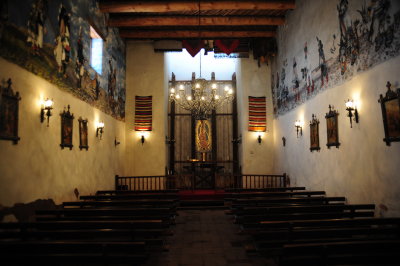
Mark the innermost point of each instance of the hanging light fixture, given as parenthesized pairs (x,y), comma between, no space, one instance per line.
(205,96)
(201,96)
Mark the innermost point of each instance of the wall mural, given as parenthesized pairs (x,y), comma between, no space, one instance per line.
(364,37)
(52,40)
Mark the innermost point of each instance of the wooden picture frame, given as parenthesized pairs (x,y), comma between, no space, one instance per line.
(9,109)
(390,105)
(67,120)
(314,134)
(332,128)
(83,134)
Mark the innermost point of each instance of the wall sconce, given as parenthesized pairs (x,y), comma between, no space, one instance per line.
(299,127)
(116,142)
(350,107)
(143,135)
(259,139)
(46,110)
(100,129)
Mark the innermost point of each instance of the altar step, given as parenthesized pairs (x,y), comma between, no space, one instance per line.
(201,204)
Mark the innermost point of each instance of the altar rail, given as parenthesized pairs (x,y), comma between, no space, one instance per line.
(225,181)
(140,183)
(248,181)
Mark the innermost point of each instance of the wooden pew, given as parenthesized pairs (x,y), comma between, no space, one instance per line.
(143,203)
(72,253)
(138,192)
(276,194)
(371,252)
(322,223)
(275,239)
(252,218)
(94,224)
(135,196)
(269,189)
(78,214)
(286,200)
(150,232)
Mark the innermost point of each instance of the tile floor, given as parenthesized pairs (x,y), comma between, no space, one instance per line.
(206,237)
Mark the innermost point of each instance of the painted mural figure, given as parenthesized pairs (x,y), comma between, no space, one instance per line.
(322,62)
(380,23)
(112,80)
(80,60)
(96,86)
(284,91)
(36,29)
(296,81)
(349,46)
(62,49)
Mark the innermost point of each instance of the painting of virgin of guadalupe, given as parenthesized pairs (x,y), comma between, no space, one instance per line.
(203,136)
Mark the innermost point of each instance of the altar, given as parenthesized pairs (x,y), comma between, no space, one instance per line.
(202,174)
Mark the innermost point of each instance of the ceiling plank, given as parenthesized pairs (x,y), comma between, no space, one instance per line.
(185,6)
(155,21)
(186,34)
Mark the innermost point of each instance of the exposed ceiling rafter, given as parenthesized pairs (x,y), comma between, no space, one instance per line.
(173,21)
(190,34)
(185,6)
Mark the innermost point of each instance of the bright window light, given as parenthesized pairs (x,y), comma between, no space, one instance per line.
(96,51)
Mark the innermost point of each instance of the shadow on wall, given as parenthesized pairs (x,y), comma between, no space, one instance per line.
(25,212)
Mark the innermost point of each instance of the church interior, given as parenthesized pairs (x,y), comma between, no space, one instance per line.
(172,132)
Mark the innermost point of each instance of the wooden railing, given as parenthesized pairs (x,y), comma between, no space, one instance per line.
(140,183)
(224,181)
(247,181)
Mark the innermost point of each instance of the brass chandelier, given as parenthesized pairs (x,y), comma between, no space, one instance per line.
(201,97)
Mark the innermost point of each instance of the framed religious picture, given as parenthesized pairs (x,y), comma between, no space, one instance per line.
(314,134)
(203,137)
(66,129)
(83,134)
(390,105)
(332,128)
(9,109)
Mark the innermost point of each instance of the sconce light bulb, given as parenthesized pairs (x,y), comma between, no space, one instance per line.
(202,98)
(197,85)
(172,90)
(349,104)
(177,97)
(226,88)
(216,97)
(230,91)
(214,86)
(181,87)
(48,103)
(189,98)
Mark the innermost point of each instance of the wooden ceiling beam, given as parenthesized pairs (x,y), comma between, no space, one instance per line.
(155,21)
(188,34)
(185,6)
